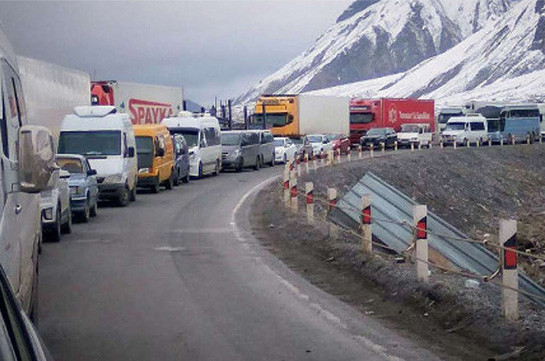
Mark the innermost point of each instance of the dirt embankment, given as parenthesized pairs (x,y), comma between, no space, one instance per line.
(472,189)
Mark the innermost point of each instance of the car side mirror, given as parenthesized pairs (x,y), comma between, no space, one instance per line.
(160,152)
(130,152)
(325,141)
(36,158)
(64,174)
(91,172)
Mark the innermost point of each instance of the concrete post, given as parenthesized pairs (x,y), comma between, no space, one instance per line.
(412,147)
(454,144)
(478,143)
(293,192)
(309,193)
(468,143)
(508,265)
(286,185)
(420,221)
(513,140)
(501,140)
(528,139)
(366,220)
(383,148)
(441,145)
(371,150)
(349,155)
(430,145)
(419,146)
(332,198)
(360,151)
(489,142)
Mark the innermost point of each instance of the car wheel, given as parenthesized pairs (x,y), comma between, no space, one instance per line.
(156,188)
(257,163)
(186,178)
(93,211)
(216,169)
(200,174)
(240,165)
(55,234)
(169,184)
(86,212)
(273,163)
(285,158)
(66,228)
(124,198)
(35,299)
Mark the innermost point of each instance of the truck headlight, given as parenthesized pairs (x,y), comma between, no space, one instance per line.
(114,179)
(143,170)
(47,214)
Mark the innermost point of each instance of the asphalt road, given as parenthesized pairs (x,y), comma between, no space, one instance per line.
(178,276)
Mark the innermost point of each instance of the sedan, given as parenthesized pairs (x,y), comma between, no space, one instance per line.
(339,142)
(284,149)
(377,136)
(55,206)
(83,185)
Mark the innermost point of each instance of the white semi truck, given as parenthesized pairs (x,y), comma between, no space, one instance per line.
(145,104)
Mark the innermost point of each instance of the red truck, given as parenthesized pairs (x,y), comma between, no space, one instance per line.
(366,114)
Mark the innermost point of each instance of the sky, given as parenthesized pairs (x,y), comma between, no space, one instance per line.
(209,48)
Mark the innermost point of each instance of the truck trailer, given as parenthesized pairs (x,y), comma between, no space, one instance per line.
(52,91)
(366,114)
(145,104)
(298,115)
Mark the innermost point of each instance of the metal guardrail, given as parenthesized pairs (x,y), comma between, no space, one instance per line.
(392,207)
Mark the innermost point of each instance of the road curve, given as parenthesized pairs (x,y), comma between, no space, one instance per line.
(178,276)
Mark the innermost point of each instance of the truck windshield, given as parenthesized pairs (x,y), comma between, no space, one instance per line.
(71,165)
(275,120)
(230,139)
(455,126)
(103,142)
(361,118)
(144,145)
(410,128)
(191,135)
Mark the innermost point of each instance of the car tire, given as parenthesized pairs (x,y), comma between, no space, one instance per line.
(177,178)
(66,227)
(273,163)
(200,174)
(55,233)
(156,188)
(217,169)
(257,163)
(285,158)
(186,178)
(93,211)
(169,183)
(124,198)
(132,193)
(84,216)
(34,309)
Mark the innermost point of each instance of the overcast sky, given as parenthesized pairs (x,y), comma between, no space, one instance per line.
(210,48)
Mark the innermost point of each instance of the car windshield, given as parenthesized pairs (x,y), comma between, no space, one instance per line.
(377,131)
(191,135)
(314,139)
(279,142)
(332,137)
(144,145)
(455,126)
(104,142)
(71,165)
(410,128)
(230,138)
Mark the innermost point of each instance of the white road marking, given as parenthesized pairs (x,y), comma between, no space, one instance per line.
(95,240)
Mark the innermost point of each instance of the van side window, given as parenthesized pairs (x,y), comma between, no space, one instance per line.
(212,136)
(477,126)
(125,145)
(254,138)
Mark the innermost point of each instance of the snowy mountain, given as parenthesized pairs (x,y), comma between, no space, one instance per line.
(503,62)
(374,39)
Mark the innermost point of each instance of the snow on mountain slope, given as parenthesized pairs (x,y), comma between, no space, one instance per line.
(385,38)
(503,61)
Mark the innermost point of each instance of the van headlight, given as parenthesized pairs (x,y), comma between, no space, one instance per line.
(143,170)
(114,179)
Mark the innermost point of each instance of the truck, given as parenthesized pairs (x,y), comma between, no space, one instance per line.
(297,115)
(366,114)
(145,103)
(52,91)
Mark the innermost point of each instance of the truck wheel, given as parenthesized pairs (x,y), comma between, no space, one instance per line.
(169,184)
(124,198)
(66,228)
(93,210)
(84,217)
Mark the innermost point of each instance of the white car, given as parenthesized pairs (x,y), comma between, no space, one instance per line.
(284,149)
(466,130)
(319,143)
(55,207)
(417,134)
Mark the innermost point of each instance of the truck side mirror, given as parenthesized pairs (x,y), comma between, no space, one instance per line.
(130,152)
(160,152)
(91,172)
(36,158)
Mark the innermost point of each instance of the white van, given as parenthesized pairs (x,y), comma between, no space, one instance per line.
(203,136)
(467,129)
(106,138)
(417,134)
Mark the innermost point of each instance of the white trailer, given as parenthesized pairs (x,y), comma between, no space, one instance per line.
(145,104)
(319,114)
(52,91)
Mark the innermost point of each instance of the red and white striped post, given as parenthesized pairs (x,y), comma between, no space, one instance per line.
(360,151)
(332,198)
(286,184)
(298,166)
(309,197)
(306,163)
(513,140)
(315,162)
(338,155)
(395,146)
(383,148)
(508,261)
(293,192)
(366,231)
(420,219)
(371,150)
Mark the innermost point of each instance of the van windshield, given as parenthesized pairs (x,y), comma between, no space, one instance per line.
(103,142)
(410,128)
(230,139)
(455,126)
(191,135)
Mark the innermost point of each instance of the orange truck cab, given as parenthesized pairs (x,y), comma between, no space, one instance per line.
(155,152)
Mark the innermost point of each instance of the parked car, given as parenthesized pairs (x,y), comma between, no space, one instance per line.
(467,129)
(377,136)
(202,135)
(83,185)
(284,149)
(106,138)
(155,154)
(316,145)
(55,207)
(339,142)
(19,339)
(181,156)
(240,149)
(267,151)
(417,134)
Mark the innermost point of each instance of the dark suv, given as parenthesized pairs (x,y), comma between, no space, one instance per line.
(240,149)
